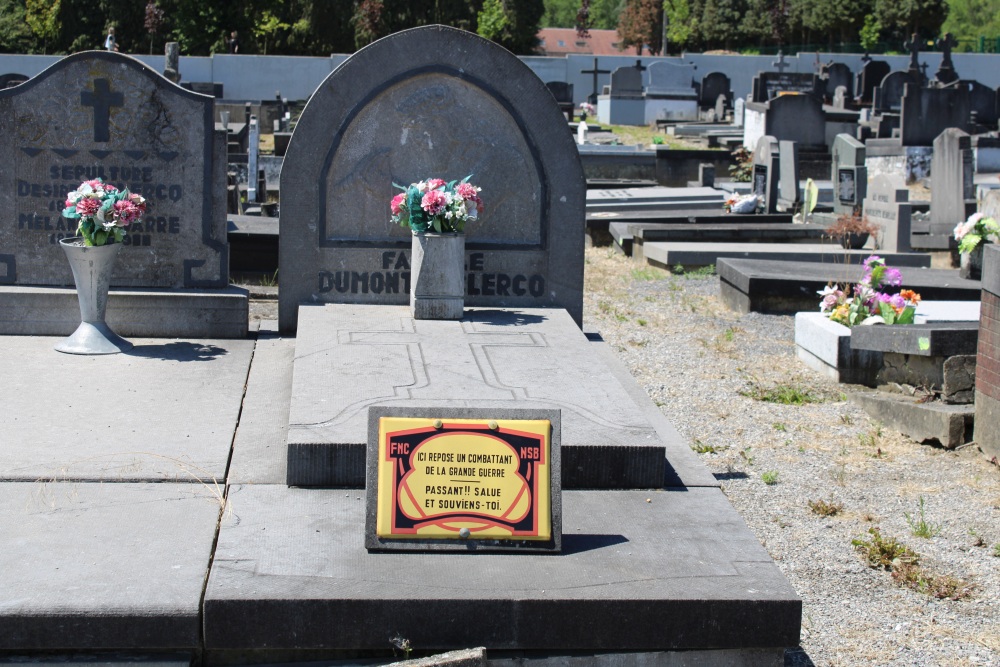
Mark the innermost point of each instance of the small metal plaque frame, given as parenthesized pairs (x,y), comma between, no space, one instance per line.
(463,479)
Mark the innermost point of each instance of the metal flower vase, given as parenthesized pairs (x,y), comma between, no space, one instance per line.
(971,265)
(437,276)
(91,267)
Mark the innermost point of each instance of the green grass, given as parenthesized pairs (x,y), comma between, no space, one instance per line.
(703,448)
(778,426)
(700,273)
(770,477)
(940,586)
(920,527)
(783,393)
(647,273)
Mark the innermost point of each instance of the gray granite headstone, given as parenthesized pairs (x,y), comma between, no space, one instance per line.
(839,97)
(738,109)
(927,112)
(983,103)
(848,174)
(103,114)
(885,206)
(798,118)
(789,195)
(771,85)
(889,94)
(766,165)
(870,78)
(953,195)
(838,74)
(626,82)
(431,102)
(714,84)
(667,79)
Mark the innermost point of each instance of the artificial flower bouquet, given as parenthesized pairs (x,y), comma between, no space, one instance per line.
(103,210)
(975,231)
(587,109)
(737,203)
(865,303)
(435,206)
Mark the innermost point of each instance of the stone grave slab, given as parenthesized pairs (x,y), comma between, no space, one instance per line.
(83,118)
(657,198)
(932,312)
(825,347)
(104,566)
(431,101)
(260,448)
(348,358)
(677,570)
(771,85)
(752,285)
(948,425)
(694,254)
(170,411)
(927,112)
(870,78)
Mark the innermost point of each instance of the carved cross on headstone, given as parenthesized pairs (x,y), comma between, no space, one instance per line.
(593,96)
(913,46)
(780,63)
(102,99)
(639,66)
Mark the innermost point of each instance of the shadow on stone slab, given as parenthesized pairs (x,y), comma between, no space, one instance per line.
(179,351)
(797,657)
(505,317)
(576,543)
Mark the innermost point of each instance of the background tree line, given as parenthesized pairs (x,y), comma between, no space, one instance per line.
(322,27)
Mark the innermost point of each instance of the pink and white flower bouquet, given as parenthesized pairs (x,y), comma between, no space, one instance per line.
(103,210)
(975,231)
(866,302)
(432,205)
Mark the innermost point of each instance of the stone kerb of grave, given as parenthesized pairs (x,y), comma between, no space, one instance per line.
(98,114)
(431,102)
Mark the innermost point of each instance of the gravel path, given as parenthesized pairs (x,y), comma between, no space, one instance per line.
(702,364)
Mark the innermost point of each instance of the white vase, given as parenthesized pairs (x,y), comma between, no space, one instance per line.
(437,276)
(92,267)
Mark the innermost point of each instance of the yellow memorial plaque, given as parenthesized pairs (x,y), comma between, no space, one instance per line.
(470,479)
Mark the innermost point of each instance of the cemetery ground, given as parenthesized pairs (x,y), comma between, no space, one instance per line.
(809,472)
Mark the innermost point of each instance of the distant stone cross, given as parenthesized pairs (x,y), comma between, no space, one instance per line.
(102,99)
(946,45)
(913,46)
(780,63)
(595,72)
(639,66)
(866,58)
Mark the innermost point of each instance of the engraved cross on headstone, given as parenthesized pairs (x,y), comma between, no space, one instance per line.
(102,99)
(780,63)
(593,96)
(913,46)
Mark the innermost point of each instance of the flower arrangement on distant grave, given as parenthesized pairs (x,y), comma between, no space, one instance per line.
(737,203)
(432,205)
(867,302)
(742,171)
(586,110)
(104,212)
(851,226)
(976,231)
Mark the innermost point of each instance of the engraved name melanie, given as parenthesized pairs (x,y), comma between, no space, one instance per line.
(66,178)
(394,278)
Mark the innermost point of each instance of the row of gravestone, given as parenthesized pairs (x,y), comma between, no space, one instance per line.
(413,112)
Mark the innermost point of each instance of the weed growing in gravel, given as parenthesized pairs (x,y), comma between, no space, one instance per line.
(778,426)
(920,527)
(884,552)
(996,550)
(940,586)
(847,419)
(873,438)
(641,322)
(839,475)
(647,273)
(694,274)
(703,448)
(977,539)
(770,477)
(745,454)
(825,508)
(783,393)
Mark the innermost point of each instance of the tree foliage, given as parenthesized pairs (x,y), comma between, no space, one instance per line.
(641,25)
